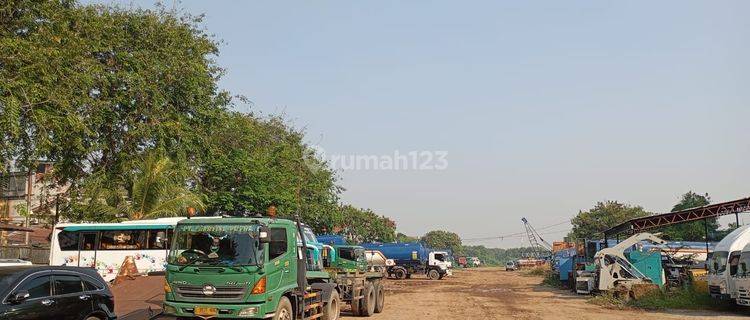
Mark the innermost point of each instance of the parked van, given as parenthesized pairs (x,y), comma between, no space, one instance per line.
(723,263)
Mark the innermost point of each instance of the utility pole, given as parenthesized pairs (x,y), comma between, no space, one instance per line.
(29,190)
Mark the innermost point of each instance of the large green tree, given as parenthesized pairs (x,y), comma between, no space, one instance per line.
(691,231)
(99,89)
(93,87)
(364,225)
(440,239)
(251,163)
(591,224)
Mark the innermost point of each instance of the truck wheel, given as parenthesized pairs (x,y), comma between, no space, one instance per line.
(400,274)
(368,303)
(284,310)
(433,275)
(332,309)
(379,297)
(356,303)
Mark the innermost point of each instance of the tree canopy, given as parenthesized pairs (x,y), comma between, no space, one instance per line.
(691,231)
(440,239)
(126,104)
(591,224)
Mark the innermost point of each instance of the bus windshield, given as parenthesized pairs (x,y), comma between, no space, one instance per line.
(215,245)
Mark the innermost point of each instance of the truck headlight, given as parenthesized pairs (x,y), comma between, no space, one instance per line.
(248,312)
(170,309)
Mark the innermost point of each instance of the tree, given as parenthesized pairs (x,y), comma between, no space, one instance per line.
(400,237)
(363,225)
(154,189)
(251,163)
(691,231)
(440,239)
(94,87)
(592,223)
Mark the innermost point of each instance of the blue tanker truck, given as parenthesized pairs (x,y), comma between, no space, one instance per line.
(413,258)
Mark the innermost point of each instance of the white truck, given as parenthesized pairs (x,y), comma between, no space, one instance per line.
(724,262)
(742,278)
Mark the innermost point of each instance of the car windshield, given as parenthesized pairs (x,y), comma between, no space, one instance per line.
(718,262)
(215,245)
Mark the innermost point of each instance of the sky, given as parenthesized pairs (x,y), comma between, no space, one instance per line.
(542,108)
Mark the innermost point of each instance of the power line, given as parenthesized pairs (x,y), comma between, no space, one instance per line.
(517,234)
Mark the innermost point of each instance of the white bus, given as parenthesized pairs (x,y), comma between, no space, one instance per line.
(105,246)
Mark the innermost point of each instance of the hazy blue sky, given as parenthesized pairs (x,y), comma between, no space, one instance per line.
(544,107)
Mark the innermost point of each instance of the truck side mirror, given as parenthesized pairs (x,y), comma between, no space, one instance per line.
(20,296)
(264,235)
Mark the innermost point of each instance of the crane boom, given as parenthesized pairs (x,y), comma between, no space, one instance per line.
(539,246)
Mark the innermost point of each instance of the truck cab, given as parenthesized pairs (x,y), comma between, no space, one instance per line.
(742,278)
(723,263)
(441,260)
(240,268)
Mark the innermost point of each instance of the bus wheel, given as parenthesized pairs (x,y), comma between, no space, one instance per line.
(379,297)
(332,309)
(433,275)
(368,303)
(284,310)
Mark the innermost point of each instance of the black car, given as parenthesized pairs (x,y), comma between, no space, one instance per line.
(54,293)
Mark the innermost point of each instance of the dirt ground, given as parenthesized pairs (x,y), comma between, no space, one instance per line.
(486,293)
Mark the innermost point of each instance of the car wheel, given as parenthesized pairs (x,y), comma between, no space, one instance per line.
(332,309)
(284,310)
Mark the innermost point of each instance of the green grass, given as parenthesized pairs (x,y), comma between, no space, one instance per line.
(552,280)
(538,271)
(684,299)
(688,298)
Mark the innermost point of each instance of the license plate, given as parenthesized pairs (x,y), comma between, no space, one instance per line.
(206,311)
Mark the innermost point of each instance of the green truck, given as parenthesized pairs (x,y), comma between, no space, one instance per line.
(256,268)
(359,282)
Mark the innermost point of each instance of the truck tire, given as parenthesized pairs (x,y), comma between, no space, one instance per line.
(367,305)
(284,310)
(400,274)
(433,274)
(332,309)
(379,297)
(356,303)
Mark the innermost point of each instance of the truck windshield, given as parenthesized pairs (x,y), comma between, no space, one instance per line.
(718,262)
(744,266)
(309,235)
(215,245)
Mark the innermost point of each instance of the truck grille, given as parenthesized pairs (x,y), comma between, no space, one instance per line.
(714,289)
(188,291)
(743,293)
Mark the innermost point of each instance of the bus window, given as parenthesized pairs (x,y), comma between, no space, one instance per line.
(88,241)
(122,240)
(157,239)
(68,240)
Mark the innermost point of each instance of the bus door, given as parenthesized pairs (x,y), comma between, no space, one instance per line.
(89,241)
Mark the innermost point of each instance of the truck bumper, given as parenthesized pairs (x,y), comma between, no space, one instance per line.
(449,273)
(225,311)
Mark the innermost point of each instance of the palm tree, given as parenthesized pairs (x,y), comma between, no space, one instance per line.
(153,189)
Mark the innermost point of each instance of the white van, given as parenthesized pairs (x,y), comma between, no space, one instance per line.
(724,263)
(742,278)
